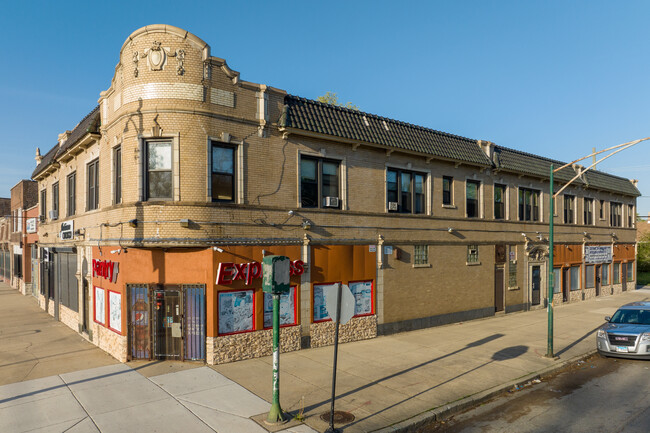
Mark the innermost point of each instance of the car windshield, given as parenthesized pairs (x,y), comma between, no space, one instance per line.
(633,317)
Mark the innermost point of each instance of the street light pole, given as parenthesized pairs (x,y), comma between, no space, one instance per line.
(551,274)
(614,150)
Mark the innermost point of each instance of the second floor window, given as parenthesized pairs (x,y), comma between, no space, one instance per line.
(499,202)
(630,215)
(92,174)
(615,211)
(117,175)
(472,190)
(588,211)
(601,210)
(44,203)
(569,209)
(55,200)
(319,183)
(447,190)
(404,191)
(72,193)
(223,173)
(528,205)
(159,169)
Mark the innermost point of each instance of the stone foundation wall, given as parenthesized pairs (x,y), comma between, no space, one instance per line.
(359,328)
(111,342)
(589,293)
(236,347)
(575,296)
(617,288)
(69,317)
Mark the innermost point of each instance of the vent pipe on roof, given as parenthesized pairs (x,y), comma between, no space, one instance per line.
(635,182)
(487,147)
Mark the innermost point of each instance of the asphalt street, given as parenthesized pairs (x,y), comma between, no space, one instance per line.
(595,395)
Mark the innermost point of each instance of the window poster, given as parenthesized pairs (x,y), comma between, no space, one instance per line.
(115,311)
(235,311)
(287,308)
(100,305)
(362,291)
(320,311)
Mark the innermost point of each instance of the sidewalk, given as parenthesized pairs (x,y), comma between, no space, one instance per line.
(404,378)
(388,383)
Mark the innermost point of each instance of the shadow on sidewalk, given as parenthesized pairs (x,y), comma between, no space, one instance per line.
(502,355)
(415,367)
(560,352)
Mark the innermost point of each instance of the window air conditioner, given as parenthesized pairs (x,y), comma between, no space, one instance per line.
(331,202)
(392,205)
(53,214)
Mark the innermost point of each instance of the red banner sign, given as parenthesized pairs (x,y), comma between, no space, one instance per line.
(106,269)
(229,272)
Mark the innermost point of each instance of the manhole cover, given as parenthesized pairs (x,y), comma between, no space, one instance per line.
(340,417)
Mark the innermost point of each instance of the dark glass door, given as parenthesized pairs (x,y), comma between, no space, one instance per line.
(168,324)
(498,289)
(535,285)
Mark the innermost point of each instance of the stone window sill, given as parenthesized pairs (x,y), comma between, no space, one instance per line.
(422,265)
(473,263)
(449,206)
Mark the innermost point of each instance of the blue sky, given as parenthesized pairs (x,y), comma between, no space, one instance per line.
(554,78)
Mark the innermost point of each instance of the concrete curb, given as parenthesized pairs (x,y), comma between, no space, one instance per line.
(452,408)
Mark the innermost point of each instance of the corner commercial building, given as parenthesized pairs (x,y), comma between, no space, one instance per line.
(158,207)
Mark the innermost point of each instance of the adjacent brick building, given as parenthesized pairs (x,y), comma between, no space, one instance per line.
(23,196)
(158,207)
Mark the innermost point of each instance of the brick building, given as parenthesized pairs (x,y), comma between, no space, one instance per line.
(159,205)
(24,195)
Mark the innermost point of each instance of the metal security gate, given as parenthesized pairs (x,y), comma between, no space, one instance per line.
(194,322)
(140,323)
(167,322)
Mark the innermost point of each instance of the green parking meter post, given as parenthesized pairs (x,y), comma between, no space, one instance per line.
(275,280)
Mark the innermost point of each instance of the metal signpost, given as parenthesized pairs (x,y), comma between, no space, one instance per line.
(276,279)
(339,300)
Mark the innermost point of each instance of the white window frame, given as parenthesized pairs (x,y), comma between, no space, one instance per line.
(413,170)
(481,201)
(142,163)
(343,173)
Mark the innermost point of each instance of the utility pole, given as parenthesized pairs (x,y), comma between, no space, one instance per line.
(552,196)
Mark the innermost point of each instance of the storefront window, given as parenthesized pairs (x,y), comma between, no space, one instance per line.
(287,308)
(617,273)
(630,271)
(557,272)
(575,278)
(362,291)
(236,308)
(320,311)
(589,276)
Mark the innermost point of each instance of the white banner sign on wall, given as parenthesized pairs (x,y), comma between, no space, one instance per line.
(598,254)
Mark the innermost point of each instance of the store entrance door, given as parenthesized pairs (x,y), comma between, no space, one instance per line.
(168,324)
(499,285)
(624,276)
(598,274)
(565,284)
(535,284)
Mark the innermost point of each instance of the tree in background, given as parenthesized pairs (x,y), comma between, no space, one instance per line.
(643,254)
(333,99)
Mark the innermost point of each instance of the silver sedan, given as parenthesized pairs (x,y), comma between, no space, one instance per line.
(627,333)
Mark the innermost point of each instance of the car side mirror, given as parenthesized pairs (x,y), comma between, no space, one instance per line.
(607,318)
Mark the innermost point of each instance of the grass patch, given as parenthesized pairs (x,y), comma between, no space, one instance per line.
(643,278)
